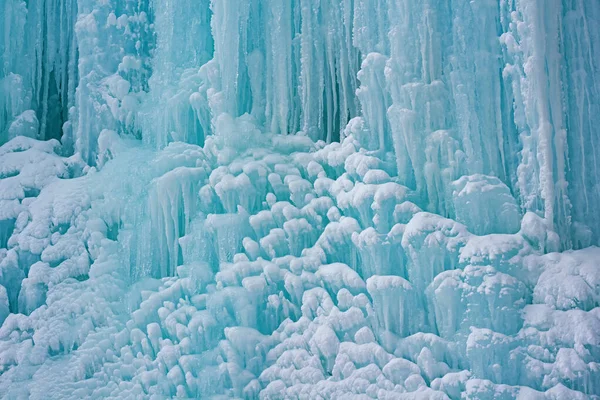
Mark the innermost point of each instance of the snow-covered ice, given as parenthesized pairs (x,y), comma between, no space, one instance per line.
(311,199)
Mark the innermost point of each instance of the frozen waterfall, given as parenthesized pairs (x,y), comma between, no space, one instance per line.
(273,199)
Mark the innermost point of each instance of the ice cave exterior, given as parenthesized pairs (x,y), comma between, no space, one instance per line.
(300,199)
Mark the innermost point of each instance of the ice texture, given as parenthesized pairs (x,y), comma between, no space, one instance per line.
(266,199)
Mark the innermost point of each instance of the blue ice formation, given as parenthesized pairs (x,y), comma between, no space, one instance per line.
(312,199)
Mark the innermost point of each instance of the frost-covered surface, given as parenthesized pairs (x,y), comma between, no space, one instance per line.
(285,271)
(199,231)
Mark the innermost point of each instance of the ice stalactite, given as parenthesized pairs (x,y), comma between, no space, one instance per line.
(38,71)
(449,89)
(299,199)
(291,66)
(581,41)
(114,41)
(500,99)
(185,44)
(329,67)
(452,88)
(71,69)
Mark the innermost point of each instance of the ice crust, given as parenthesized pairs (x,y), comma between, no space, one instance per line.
(267,199)
(185,277)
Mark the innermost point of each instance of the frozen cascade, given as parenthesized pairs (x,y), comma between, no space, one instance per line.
(39,67)
(300,199)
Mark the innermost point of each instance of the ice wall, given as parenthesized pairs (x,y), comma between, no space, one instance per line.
(303,198)
(451,88)
(448,88)
(275,267)
(185,44)
(71,69)
(38,71)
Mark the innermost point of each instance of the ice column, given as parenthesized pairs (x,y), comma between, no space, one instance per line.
(114,43)
(38,60)
(174,110)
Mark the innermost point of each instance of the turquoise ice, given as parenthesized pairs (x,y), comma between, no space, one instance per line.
(300,199)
